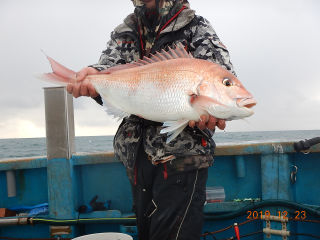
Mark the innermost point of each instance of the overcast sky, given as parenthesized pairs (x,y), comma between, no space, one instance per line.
(274,46)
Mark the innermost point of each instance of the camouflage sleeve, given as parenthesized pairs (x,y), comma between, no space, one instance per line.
(206,45)
(110,57)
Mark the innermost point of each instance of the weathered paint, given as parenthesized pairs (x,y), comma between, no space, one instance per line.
(67,184)
(275,178)
(23,163)
(244,148)
(241,166)
(224,207)
(61,189)
(94,158)
(258,147)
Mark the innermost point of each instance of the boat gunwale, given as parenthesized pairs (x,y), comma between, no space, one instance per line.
(222,149)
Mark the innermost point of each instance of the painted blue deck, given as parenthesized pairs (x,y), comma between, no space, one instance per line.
(245,170)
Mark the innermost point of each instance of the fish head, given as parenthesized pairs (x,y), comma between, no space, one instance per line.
(225,88)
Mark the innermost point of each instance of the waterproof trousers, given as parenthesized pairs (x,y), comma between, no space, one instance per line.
(168,208)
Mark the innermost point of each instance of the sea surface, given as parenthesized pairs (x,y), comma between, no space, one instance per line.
(30,147)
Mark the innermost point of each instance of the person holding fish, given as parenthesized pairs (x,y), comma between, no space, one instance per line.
(168,173)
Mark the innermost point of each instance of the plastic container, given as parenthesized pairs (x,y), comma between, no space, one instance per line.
(105,236)
(215,194)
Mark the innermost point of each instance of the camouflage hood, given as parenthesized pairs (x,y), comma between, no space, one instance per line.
(165,10)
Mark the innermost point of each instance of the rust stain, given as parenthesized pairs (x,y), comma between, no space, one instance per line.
(22,221)
(246,148)
(94,158)
(11,160)
(60,230)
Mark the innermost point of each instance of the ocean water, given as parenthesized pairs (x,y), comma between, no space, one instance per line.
(30,147)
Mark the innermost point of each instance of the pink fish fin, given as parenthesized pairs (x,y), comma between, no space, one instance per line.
(155,58)
(142,61)
(173,128)
(149,60)
(159,55)
(138,64)
(166,55)
(118,68)
(208,104)
(60,75)
(217,110)
(173,53)
(182,53)
(178,52)
(245,120)
(52,78)
(112,110)
(60,70)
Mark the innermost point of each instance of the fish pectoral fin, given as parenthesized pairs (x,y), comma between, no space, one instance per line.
(243,120)
(173,128)
(112,110)
(208,104)
(218,108)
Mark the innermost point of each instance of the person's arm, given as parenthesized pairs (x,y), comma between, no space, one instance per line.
(206,45)
(109,58)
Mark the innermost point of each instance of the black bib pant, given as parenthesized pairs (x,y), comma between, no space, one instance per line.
(168,208)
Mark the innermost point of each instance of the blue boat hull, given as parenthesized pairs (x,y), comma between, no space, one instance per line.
(245,170)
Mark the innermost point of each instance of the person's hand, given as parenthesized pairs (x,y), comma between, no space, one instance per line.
(211,124)
(83,88)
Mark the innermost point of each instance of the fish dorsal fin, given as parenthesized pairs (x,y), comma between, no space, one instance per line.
(116,68)
(178,52)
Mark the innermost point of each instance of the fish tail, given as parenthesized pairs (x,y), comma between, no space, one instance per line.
(60,75)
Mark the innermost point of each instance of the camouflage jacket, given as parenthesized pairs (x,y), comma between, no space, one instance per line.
(188,151)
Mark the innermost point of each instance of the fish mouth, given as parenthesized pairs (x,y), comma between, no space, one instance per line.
(246,103)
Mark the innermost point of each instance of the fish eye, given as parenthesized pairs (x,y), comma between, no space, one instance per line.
(227,82)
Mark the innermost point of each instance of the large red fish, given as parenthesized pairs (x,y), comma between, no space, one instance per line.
(170,87)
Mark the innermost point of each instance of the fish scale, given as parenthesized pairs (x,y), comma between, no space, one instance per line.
(173,91)
(143,98)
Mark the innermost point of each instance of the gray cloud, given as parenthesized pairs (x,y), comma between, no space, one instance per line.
(273,46)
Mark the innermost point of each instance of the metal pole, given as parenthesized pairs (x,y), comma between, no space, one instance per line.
(60,134)
(13,221)
(11,183)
